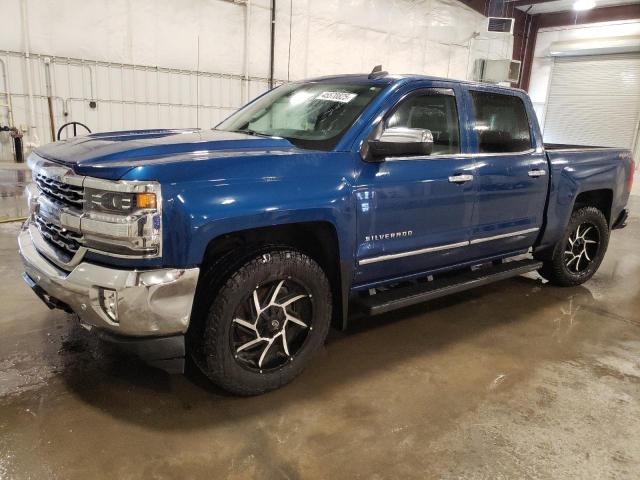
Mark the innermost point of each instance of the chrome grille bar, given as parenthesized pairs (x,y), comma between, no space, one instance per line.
(57,212)
(70,195)
(69,242)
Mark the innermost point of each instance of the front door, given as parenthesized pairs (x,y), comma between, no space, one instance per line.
(415,212)
(512,174)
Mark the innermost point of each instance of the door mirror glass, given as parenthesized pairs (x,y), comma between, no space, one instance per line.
(401,141)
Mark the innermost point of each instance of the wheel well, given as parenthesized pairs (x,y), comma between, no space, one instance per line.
(600,199)
(319,240)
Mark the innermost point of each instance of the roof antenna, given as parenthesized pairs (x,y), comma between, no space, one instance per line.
(377,72)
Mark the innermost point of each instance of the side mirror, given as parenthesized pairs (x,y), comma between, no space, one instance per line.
(401,141)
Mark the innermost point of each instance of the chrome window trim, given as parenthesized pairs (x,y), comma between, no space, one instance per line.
(503,154)
(460,155)
(409,253)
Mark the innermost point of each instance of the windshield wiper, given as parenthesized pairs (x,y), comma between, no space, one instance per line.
(248,131)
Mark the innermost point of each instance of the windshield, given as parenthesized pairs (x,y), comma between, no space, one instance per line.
(309,115)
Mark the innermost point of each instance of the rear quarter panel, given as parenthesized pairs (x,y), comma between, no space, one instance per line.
(575,171)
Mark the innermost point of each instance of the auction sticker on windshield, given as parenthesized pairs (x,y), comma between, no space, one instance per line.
(342,97)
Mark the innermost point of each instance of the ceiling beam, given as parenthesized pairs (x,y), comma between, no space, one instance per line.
(479,6)
(604,14)
(526,3)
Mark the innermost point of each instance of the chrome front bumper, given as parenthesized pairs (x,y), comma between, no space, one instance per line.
(149,303)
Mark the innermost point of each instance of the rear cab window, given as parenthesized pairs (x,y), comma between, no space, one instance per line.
(501,123)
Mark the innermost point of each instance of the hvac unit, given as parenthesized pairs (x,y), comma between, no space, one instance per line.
(500,25)
(497,71)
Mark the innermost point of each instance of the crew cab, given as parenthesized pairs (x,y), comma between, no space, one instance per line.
(240,245)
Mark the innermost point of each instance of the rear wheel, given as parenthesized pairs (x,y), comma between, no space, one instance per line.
(266,322)
(579,253)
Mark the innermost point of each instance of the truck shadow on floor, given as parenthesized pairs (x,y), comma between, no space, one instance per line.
(518,317)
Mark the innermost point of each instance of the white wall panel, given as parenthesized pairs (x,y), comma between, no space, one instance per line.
(405,36)
(123,41)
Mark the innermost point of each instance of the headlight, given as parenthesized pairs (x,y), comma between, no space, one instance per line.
(122,218)
(122,203)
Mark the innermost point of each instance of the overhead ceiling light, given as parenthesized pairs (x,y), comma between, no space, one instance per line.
(584,5)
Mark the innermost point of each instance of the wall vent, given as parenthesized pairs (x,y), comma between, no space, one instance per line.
(500,25)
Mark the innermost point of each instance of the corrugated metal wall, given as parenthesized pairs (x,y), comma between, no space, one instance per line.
(126,96)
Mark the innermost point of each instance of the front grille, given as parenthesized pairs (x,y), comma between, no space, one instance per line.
(70,195)
(60,238)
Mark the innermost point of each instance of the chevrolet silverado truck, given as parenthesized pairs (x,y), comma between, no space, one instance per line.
(238,247)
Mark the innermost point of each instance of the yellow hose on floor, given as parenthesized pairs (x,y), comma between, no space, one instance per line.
(9,220)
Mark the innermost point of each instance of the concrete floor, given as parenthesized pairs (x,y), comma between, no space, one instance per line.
(13,201)
(514,380)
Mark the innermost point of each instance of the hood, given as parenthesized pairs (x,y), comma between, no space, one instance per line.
(114,153)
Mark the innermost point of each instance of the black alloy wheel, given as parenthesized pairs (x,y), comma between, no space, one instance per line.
(264,317)
(271,325)
(582,247)
(580,251)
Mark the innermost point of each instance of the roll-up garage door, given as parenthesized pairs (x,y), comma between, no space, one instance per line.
(594,100)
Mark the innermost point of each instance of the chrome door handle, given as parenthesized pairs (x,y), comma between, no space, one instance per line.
(537,173)
(460,178)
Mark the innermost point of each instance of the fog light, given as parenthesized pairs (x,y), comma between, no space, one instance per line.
(109,303)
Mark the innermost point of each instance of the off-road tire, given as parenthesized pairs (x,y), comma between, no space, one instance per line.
(556,270)
(219,362)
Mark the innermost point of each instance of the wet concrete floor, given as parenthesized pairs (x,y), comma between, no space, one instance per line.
(14,177)
(513,380)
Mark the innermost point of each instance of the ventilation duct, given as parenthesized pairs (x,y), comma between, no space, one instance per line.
(500,25)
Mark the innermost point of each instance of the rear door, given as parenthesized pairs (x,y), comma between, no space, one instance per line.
(415,212)
(511,172)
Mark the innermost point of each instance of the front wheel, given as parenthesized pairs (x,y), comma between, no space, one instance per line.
(266,322)
(579,253)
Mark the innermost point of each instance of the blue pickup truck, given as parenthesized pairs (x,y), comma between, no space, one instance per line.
(239,246)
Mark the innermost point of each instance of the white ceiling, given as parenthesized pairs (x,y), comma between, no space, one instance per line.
(565,5)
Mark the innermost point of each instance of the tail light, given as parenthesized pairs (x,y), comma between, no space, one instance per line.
(632,172)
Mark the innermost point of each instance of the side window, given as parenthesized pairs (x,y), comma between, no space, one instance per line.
(434,110)
(502,125)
